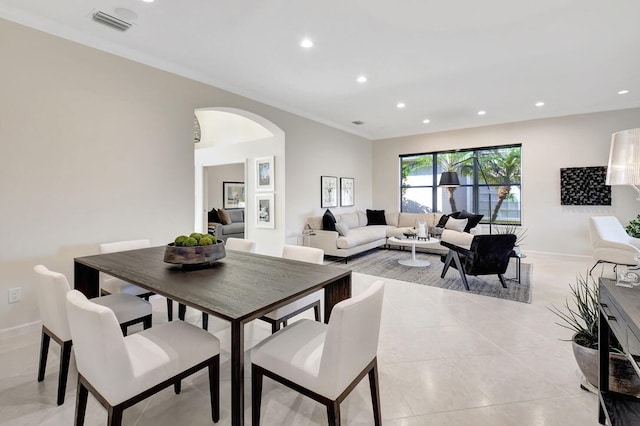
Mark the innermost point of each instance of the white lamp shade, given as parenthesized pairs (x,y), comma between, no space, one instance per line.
(624,158)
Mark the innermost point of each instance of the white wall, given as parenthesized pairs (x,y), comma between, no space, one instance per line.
(99,148)
(547,146)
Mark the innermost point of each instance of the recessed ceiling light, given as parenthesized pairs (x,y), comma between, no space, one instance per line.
(401,105)
(623,92)
(482,112)
(148,1)
(361,79)
(426,121)
(306,43)
(539,104)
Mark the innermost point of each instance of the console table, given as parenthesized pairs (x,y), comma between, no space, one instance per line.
(619,313)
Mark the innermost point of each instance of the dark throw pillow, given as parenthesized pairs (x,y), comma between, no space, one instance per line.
(376,217)
(213,216)
(328,221)
(472,219)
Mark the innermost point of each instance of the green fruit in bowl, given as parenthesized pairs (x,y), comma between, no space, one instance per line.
(190,242)
(206,241)
(179,241)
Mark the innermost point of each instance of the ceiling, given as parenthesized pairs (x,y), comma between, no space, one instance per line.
(446,60)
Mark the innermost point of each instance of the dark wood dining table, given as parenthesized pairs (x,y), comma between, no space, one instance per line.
(238,288)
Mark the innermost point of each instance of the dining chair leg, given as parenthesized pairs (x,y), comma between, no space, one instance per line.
(65,359)
(44,352)
(177,387)
(124,329)
(275,326)
(375,394)
(205,321)
(214,388)
(81,403)
(182,311)
(146,322)
(256,394)
(169,309)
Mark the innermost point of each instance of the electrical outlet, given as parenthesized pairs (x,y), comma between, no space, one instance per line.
(15,294)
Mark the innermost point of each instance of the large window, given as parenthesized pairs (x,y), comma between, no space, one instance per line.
(489,183)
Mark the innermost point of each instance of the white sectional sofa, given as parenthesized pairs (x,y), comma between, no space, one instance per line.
(361,237)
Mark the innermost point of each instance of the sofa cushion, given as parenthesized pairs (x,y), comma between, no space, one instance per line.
(362,235)
(350,219)
(342,228)
(315,222)
(410,219)
(362,218)
(328,221)
(236,215)
(391,218)
(233,228)
(213,216)
(473,219)
(375,217)
(224,217)
(456,224)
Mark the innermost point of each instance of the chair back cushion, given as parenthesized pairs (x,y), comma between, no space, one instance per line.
(99,346)
(352,338)
(490,254)
(303,254)
(606,229)
(240,244)
(52,292)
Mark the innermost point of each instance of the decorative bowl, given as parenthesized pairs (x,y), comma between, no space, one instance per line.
(196,255)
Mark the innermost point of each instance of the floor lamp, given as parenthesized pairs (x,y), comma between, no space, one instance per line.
(450,179)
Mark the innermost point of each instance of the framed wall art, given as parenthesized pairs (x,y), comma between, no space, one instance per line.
(584,186)
(265,174)
(265,215)
(347,192)
(328,191)
(233,195)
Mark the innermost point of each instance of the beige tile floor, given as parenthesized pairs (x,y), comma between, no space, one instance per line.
(445,357)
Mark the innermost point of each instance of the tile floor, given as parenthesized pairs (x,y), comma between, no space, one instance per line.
(445,358)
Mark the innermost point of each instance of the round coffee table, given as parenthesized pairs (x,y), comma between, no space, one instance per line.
(413,242)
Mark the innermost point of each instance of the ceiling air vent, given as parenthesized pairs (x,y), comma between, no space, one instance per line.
(358,122)
(112,21)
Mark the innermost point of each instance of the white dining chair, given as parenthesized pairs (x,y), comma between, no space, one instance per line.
(122,371)
(279,317)
(52,289)
(113,285)
(232,243)
(324,362)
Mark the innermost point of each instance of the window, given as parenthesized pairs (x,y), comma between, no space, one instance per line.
(489,183)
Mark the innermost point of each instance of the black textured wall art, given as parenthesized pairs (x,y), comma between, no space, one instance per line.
(584,186)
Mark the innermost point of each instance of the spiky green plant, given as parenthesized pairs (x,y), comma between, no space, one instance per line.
(581,314)
(633,228)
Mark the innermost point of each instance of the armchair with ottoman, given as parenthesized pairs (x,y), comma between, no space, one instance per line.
(226,223)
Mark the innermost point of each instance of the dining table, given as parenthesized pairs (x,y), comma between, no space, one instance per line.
(239,288)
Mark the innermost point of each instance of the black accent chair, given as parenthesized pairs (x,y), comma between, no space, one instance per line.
(488,254)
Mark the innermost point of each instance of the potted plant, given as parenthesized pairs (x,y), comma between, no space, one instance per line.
(581,316)
(633,228)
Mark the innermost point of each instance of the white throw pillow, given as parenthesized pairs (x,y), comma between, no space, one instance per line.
(343,229)
(456,224)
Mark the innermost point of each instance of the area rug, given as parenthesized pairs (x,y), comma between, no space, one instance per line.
(384,263)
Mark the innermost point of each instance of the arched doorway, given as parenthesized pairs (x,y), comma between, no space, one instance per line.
(232,136)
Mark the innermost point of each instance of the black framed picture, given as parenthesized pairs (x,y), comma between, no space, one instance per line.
(584,186)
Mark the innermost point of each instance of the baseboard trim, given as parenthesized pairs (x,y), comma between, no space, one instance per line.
(18,330)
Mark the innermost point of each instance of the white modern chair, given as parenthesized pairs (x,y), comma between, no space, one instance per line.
(122,371)
(52,290)
(611,243)
(237,244)
(113,285)
(280,316)
(324,362)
